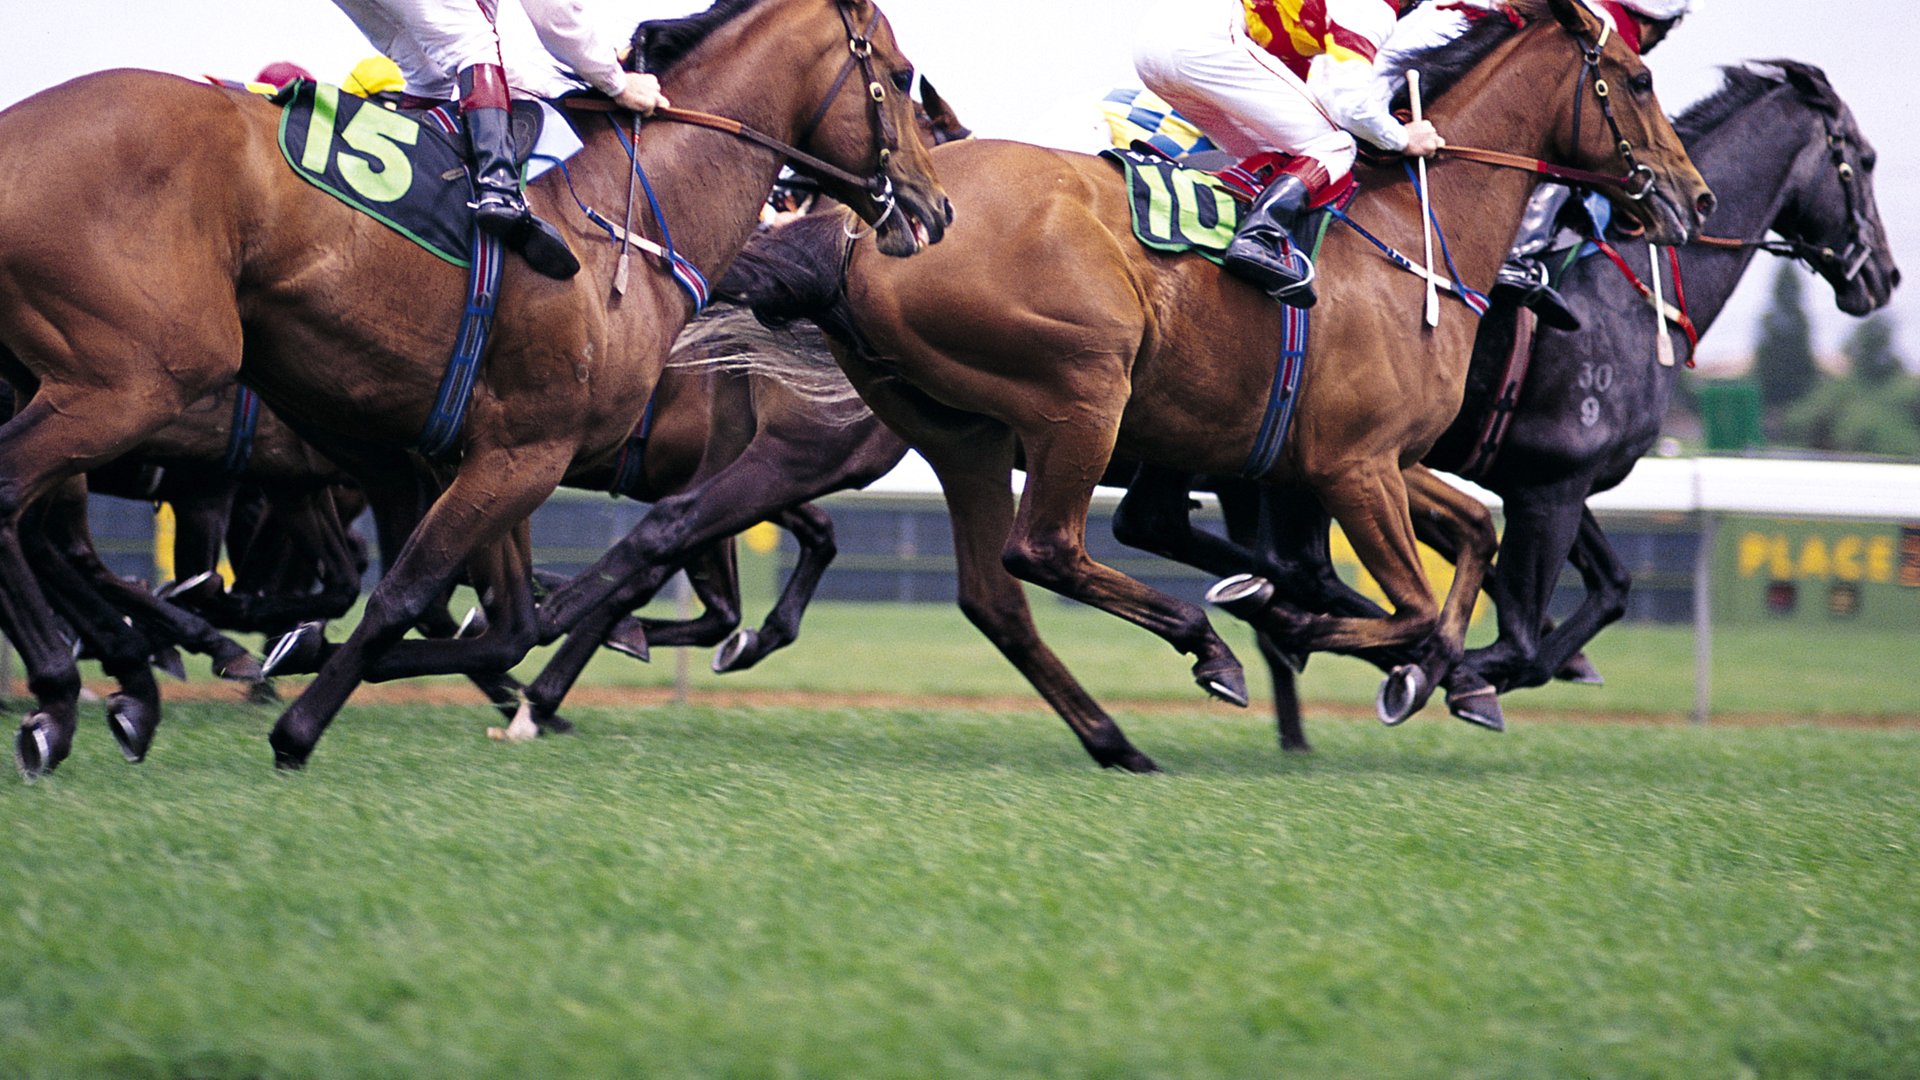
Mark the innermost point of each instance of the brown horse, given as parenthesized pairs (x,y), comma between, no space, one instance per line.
(149,255)
(1042,328)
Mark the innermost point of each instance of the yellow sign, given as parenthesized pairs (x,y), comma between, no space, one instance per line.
(1849,557)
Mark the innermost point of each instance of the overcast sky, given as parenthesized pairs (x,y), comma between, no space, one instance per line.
(1023,68)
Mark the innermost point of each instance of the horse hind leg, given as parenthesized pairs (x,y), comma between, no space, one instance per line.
(1048,547)
(1461,529)
(65,429)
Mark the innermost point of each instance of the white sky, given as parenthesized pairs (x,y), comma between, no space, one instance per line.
(1022,68)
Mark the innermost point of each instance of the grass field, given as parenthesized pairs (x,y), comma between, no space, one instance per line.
(952,890)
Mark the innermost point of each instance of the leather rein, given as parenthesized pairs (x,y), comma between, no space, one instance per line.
(1638,180)
(879,186)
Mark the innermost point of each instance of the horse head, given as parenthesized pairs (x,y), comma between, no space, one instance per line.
(849,104)
(1830,214)
(1665,193)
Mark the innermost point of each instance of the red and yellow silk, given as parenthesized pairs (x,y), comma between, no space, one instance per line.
(1296,31)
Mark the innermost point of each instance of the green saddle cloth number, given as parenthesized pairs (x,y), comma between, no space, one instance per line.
(1177,209)
(405,174)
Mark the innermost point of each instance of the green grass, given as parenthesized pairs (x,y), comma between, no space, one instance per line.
(1773,670)
(685,892)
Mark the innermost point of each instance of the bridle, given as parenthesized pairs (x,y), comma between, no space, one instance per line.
(1848,261)
(1638,181)
(879,186)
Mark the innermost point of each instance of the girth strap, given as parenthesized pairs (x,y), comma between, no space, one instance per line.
(449,412)
(240,432)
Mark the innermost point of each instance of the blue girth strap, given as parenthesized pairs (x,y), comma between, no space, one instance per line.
(456,386)
(1283,395)
(246,420)
(630,467)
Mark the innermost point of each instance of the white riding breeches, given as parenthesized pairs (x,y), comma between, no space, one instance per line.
(1202,62)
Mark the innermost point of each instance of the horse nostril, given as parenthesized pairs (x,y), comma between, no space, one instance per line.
(948,203)
(1704,204)
(1893,279)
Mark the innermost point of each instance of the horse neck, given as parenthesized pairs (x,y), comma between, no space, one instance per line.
(710,185)
(1749,165)
(1496,107)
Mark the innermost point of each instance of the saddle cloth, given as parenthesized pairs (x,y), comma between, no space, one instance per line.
(405,168)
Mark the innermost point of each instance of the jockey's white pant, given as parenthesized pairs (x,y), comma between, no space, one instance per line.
(432,40)
(1199,58)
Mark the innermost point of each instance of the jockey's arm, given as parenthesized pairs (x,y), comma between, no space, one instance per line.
(1351,82)
(566,33)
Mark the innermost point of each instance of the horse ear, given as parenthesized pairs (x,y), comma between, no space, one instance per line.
(1574,15)
(937,108)
(1810,81)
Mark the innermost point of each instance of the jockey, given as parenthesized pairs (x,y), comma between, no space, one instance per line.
(444,45)
(1260,75)
(1525,279)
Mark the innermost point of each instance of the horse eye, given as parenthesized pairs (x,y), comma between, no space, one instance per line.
(1642,83)
(903,81)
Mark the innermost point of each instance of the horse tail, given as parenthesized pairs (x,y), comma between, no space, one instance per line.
(797,271)
(731,339)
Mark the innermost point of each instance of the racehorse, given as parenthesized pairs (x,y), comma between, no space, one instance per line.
(270,279)
(1042,325)
(1784,155)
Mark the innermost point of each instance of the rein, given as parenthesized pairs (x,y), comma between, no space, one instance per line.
(1638,181)
(886,140)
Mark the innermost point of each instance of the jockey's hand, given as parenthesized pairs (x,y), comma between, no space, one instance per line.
(1422,140)
(641,94)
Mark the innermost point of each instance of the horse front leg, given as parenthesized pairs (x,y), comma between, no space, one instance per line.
(1464,532)
(1607,582)
(494,491)
(1369,500)
(812,529)
(1542,524)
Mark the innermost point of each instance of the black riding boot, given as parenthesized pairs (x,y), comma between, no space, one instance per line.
(1254,253)
(499,208)
(1524,279)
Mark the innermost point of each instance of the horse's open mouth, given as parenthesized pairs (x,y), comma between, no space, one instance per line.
(911,227)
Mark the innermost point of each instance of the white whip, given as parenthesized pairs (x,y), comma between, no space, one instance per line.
(1662,344)
(1426,210)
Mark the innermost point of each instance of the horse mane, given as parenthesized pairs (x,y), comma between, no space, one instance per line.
(1748,82)
(658,43)
(1443,65)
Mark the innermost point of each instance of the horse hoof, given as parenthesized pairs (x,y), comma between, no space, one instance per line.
(473,625)
(242,668)
(1242,595)
(262,692)
(728,657)
(131,723)
(1579,669)
(1225,680)
(33,748)
(1480,707)
(168,660)
(175,588)
(288,757)
(1400,694)
(1132,761)
(522,729)
(285,649)
(631,644)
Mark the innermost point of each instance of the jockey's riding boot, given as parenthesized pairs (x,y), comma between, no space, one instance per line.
(500,209)
(1524,278)
(1525,281)
(1255,254)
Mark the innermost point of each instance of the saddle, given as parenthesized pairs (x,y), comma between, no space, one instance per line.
(405,168)
(1194,203)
